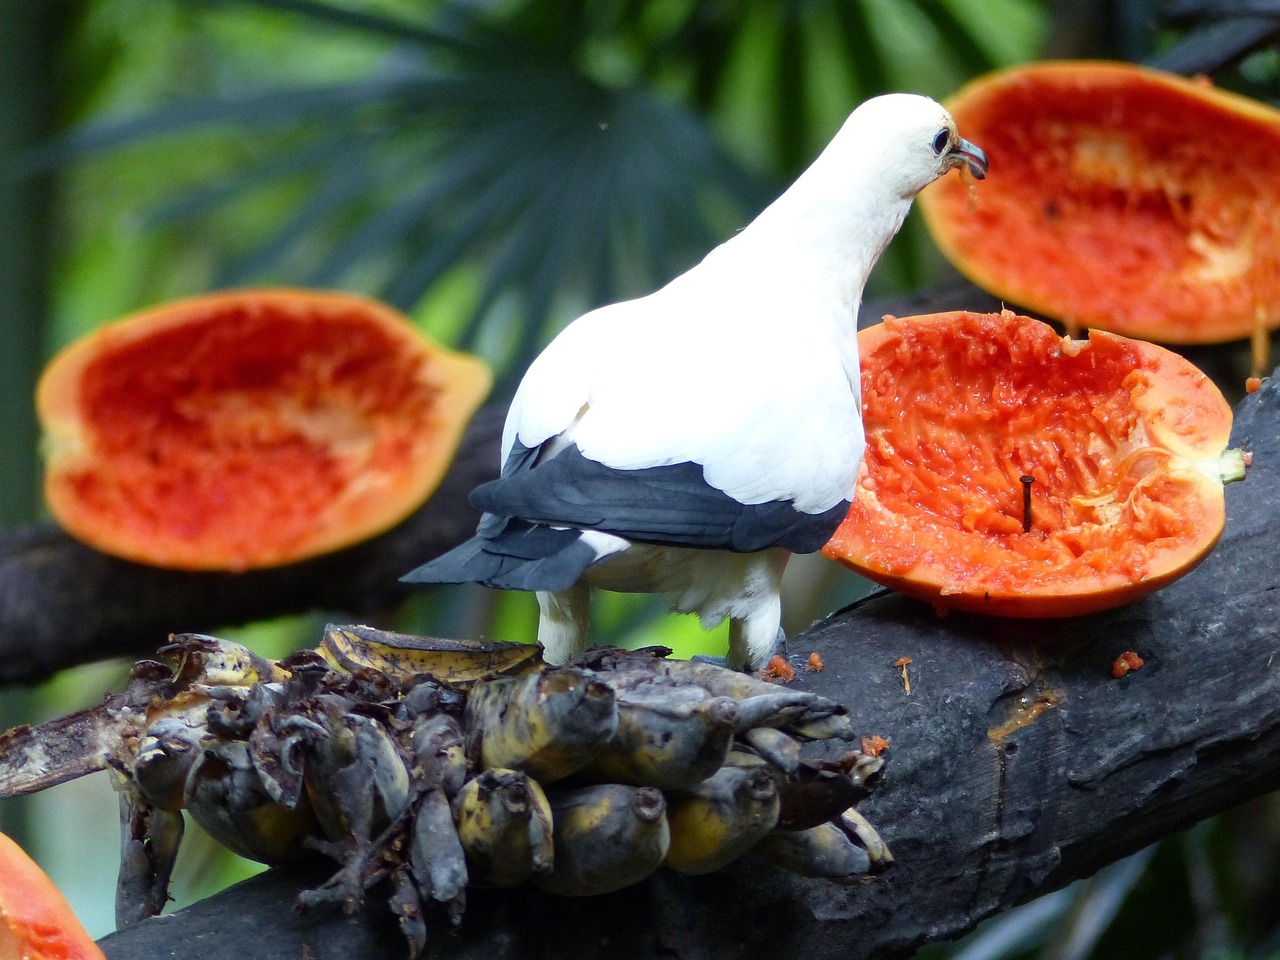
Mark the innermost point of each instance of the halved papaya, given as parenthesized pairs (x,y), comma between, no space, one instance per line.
(36,922)
(1124,443)
(249,428)
(1120,198)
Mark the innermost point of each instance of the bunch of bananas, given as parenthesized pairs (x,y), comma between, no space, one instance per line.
(435,765)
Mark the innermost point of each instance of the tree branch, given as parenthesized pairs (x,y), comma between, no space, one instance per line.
(1018,764)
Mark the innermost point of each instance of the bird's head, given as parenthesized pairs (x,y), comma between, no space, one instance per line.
(915,138)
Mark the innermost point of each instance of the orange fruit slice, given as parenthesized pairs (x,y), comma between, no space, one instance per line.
(250,428)
(1120,198)
(1124,442)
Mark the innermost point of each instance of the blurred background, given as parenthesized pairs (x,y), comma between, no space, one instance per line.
(494,168)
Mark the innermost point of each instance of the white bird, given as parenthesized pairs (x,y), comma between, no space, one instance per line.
(688,442)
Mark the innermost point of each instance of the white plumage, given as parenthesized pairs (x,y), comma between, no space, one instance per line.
(688,441)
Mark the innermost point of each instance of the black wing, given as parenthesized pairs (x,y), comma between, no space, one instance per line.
(672,505)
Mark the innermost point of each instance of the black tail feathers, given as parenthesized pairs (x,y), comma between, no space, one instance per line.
(520,556)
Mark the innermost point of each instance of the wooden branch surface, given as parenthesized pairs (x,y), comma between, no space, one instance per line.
(1018,764)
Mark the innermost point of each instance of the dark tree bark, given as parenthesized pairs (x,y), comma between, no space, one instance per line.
(1018,764)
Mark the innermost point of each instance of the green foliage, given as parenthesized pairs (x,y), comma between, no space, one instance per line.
(497,169)
(1208,893)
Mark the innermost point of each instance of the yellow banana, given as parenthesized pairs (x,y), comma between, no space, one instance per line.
(721,818)
(669,735)
(352,647)
(761,703)
(548,724)
(213,662)
(823,851)
(775,747)
(225,796)
(864,835)
(607,837)
(504,822)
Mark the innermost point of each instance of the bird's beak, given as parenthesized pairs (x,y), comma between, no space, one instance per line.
(971,154)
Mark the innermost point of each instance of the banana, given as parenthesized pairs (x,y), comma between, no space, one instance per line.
(504,823)
(824,852)
(775,747)
(436,855)
(149,841)
(405,902)
(213,662)
(864,835)
(439,754)
(821,790)
(355,777)
(278,748)
(721,818)
(353,647)
(669,735)
(355,751)
(864,770)
(607,837)
(761,703)
(548,724)
(164,758)
(225,797)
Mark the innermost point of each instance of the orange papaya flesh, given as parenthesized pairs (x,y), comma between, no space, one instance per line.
(1120,198)
(36,922)
(1124,440)
(250,428)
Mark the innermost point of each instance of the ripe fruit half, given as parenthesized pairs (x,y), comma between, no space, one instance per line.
(36,922)
(1125,443)
(250,428)
(1119,197)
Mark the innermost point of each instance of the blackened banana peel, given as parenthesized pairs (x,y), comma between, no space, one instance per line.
(438,765)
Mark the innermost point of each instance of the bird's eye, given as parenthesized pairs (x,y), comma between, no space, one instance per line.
(941,141)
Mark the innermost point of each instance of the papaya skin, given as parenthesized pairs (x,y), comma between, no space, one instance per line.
(249,428)
(36,922)
(1121,198)
(1124,441)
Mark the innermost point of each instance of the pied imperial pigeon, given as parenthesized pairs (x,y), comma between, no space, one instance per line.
(689,441)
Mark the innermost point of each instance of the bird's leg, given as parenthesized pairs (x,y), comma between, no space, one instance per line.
(562,622)
(753,639)
(755,626)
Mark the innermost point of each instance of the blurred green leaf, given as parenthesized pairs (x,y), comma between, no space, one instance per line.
(545,148)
